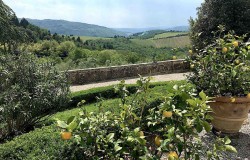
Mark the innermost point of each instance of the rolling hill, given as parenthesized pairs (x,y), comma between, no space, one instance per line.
(131,31)
(162,40)
(169,35)
(75,28)
(182,41)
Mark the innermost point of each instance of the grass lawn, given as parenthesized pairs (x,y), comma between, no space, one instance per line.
(168,34)
(182,41)
(112,104)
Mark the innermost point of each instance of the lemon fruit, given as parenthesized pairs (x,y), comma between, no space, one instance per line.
(66,135)
(158,141)
(237,61)
(224,50)
(190,52)
(141,134)
(167,114)
(236,43)
(248,95)
(172,155)
(192,66)
(233,99)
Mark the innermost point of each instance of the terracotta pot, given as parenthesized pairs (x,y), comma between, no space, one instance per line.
(229,116)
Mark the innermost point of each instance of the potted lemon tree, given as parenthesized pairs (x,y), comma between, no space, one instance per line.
(222,71)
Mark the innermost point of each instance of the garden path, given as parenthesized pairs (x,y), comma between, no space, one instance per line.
(157,78)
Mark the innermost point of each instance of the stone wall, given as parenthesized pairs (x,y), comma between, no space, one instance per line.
(84,76)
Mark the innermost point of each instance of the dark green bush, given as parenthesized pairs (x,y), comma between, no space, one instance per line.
(44,143)
(30,89)
(233,14)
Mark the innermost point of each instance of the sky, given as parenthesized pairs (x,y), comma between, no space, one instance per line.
(110,13)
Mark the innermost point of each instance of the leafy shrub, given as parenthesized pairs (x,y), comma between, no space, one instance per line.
(222,68)
(42,143)
(30,89)
(234,15)
(173,127)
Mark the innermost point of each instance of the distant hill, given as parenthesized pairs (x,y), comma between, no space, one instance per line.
(147,34)
(173,42)
(179,28)
(75,28)
(130,31)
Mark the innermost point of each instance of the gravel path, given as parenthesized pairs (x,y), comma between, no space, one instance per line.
(157,78)
(241,141)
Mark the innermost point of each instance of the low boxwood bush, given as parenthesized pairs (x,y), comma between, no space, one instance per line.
(108,92)
(44,143)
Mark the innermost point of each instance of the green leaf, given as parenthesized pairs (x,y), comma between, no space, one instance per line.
(191,102)
(130,139)
(141,141)
(110,136)
(207,126)
(176,87)
(227,140)
(209,117)
(197,157)
(180,147)
(203,96)
(198,127)
(72,125)
(89,140)
(230,148)
(135,116)
(62,124)
(234,73)
(209,155)
(182,129)
(117,147)
(136,130)
(139,82)
(171,132)
(72,118)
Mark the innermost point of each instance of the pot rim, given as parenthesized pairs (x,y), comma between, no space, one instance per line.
(229,99)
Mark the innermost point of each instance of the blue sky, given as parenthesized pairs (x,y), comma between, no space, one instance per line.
(110,13)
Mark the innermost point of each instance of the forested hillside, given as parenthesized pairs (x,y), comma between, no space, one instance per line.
(75,28)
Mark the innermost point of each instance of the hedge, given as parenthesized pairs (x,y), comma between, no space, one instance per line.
(43,143)
(107,92)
